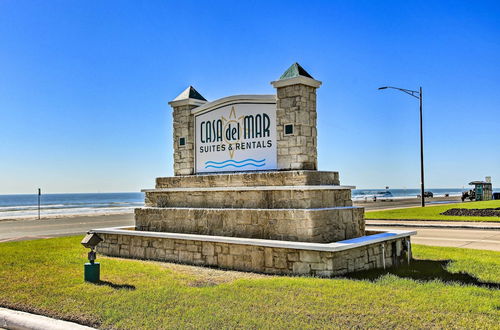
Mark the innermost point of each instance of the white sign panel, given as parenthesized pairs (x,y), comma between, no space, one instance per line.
(237,137)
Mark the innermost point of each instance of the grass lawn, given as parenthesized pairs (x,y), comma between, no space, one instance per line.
(45,276)
(433,212)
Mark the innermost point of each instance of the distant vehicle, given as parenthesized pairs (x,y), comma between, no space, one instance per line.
(428,194)
(471,195)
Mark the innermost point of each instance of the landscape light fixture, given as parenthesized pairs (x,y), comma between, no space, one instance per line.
(418,95)
(92,269)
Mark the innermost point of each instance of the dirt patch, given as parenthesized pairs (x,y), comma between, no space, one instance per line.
(474,212)
(206,277)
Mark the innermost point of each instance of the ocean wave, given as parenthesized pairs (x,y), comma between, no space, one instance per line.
(242,165)
(22,208)
(235,161)
(33,204)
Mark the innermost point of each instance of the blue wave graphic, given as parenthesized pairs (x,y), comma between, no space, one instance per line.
(235,161)
(242,165)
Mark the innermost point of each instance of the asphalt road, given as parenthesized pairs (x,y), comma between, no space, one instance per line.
(45,228)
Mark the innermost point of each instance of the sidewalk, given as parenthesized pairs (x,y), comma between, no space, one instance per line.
(434,224)
(471,235)
(11,319)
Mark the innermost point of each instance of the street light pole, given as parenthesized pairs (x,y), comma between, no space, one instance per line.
(418,95)
(421,153)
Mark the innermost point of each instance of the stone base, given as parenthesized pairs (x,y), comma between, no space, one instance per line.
(257,197)
(307,206)
(305,225)
(264,256)
(265,178)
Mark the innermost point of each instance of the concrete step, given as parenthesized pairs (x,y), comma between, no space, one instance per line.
(306,225)
(245,179)
(258,197)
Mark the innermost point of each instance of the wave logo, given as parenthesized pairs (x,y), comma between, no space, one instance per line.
(234,163)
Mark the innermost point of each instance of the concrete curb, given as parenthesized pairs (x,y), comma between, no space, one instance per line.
(11,319)
(376,224)
(437,221)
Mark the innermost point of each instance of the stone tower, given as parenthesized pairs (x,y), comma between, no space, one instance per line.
(183,129)
(296,119)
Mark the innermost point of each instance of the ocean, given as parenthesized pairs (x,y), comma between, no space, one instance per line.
(55,205)
(26,206)
(407,193)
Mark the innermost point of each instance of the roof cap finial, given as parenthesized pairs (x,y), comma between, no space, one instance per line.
(189,93)
(296,75)
(295,70)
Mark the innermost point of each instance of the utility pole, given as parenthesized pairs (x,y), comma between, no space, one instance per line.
(421,153)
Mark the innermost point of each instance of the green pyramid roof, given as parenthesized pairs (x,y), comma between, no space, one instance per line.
(189,93)
(294,71)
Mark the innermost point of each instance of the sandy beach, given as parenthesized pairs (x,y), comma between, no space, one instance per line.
(71,216)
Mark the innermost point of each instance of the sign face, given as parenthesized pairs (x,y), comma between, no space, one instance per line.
(237,137)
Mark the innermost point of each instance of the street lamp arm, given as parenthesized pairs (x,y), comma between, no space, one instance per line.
(418,95)
(415,94)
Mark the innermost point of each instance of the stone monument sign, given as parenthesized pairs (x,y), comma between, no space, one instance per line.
(246,192)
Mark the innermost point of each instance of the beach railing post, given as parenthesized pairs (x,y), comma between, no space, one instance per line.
(39,195)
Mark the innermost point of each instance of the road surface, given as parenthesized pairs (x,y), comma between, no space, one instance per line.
(32,229)
(452,237)
(45,228)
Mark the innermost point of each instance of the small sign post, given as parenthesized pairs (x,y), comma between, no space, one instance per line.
(39,195)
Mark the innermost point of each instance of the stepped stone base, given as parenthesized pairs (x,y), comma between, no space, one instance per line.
(306,225)
(271,178)
(306,206)
(296,222)
(257,197)
(255,258)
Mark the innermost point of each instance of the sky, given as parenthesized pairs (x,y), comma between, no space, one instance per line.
(85,85)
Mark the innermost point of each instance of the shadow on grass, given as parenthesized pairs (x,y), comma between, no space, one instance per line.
(116,286)
(424,270)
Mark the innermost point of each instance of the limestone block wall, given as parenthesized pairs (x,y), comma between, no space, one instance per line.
(253,257)
(304,225)
(296,104)
(295,197)
(247,179)
(183,128)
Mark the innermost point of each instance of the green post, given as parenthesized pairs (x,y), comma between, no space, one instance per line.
(92,272)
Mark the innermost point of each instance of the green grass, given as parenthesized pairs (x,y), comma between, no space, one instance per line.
(433,212)
(45,276)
